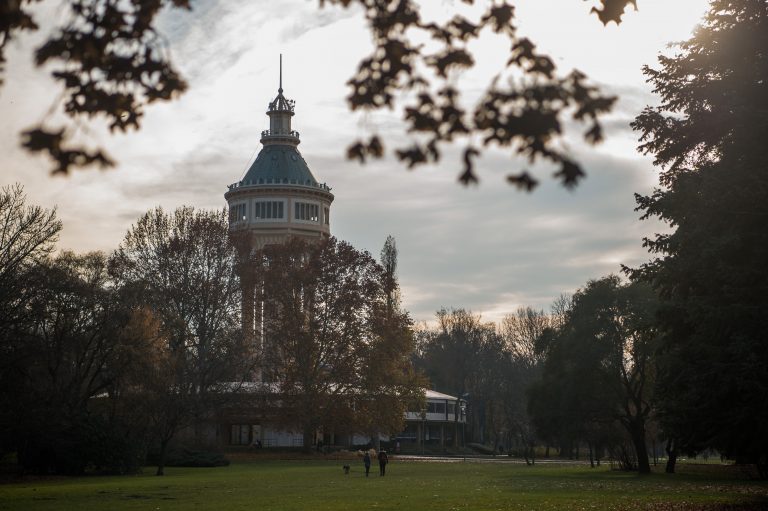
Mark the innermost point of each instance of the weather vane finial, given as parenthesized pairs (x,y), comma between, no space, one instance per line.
(281,73)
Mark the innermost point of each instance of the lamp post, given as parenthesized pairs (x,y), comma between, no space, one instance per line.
(423,429)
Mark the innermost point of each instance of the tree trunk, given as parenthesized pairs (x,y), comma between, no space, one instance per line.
(546,452)
(308,438)
(641,450)
(762,466)
(524,444)
(671,449)
(591,456)
(161,459)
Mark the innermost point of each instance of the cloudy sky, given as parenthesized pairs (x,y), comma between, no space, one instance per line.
(488,248)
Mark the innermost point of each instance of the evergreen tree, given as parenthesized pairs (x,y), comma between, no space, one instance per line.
(708,136)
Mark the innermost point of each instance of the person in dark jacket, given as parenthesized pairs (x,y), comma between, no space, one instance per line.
(383,459)
(367,462)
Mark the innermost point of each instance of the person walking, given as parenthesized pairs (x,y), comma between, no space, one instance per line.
(367,462)
(383,459)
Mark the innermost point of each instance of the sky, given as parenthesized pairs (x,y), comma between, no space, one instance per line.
(489,248)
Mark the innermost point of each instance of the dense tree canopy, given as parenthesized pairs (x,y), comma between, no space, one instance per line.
(105,357)
(64,362)
(181,267)
(465,357)
(708,136)
(598,367)
(337,352)
(111,62)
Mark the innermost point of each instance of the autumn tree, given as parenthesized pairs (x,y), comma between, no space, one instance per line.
(707,136)
(389,352)
(181,266)
(109,58)
(336,351)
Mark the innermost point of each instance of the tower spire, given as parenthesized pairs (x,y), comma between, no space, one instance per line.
(280,112)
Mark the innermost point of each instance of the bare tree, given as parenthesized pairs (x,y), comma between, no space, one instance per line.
(182,267)
(521,330)
(559,310)
(27,236)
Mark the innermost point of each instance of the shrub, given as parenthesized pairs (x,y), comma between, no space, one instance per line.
(187,457)
(482,449)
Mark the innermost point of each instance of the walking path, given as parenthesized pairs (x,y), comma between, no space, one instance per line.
(478,458)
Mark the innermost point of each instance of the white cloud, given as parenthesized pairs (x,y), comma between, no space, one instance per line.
(487,248)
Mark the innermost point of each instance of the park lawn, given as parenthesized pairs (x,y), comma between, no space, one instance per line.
(322,486)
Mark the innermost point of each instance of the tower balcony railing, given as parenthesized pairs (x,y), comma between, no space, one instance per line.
(279,182)
(279,133)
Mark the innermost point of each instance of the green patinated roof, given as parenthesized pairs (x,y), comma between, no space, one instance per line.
(279,164)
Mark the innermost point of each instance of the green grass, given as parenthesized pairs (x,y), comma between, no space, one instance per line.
(321,485)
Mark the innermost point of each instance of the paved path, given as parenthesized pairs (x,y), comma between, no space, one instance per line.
(474,458)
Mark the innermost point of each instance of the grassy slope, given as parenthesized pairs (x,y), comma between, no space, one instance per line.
(319,485)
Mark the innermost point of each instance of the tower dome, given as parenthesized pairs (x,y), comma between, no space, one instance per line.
(279,164)
(279,196)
